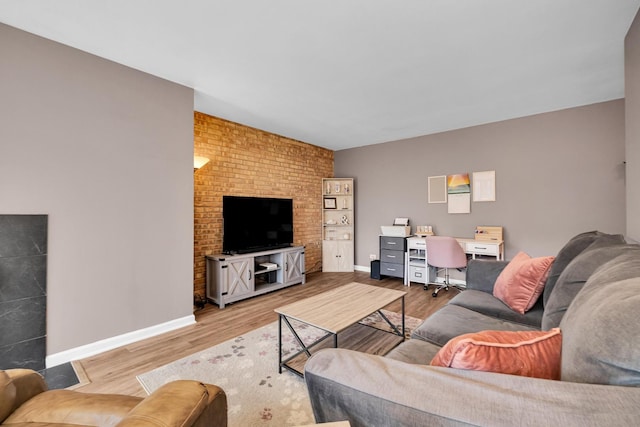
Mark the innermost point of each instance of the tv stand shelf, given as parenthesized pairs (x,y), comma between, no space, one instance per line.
(233,278)
(266,270)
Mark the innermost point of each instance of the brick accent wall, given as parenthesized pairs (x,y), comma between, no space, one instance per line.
(250,162)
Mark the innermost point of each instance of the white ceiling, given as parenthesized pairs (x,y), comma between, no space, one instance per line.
(348,73)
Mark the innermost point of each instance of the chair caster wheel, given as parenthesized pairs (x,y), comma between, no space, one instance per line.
(425,287)
(435,294)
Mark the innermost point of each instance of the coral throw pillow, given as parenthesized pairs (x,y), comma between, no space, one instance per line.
(522,281)
(525,353)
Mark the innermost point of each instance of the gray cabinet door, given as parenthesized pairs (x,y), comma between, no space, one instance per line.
(239,277)
(293,266)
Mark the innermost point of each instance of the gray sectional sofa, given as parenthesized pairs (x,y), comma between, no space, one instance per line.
(592,294)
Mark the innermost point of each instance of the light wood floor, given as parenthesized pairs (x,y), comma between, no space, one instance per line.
(115,371)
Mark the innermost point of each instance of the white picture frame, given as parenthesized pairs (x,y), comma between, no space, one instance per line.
(484,186)
(437,189)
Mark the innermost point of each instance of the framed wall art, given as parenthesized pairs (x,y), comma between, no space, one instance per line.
(437,189)
(459,193)
(484,186)
(330,203)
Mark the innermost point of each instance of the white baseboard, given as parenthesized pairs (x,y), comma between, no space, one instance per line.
(101,346)
(362,268)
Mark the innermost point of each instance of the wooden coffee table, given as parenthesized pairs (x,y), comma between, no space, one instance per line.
(334,312)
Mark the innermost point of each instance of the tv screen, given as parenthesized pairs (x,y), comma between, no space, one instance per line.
(252,224)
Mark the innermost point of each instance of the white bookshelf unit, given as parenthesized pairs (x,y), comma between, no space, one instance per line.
(337,225)
(236,277)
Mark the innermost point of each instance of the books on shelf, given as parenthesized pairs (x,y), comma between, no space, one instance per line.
(269,266)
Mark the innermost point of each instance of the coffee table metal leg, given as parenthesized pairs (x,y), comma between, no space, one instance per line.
(391,325)
(280,343)
(403,330)
(297,337)
(304,348)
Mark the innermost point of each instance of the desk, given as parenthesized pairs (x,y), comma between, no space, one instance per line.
(416,267)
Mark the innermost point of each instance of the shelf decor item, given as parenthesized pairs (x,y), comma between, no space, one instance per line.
(424,230)
(330,203)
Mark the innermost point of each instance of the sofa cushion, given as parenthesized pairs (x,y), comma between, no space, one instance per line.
(601,328)
(417,352)
(452,320)
(571,249)
(522,281)
(485,303)
(70,407)
(481,274)
(526,353)
(187,400)
(576,274)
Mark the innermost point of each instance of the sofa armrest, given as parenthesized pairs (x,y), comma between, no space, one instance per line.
(482,274)
(180,403)
(370,390)
(28,384)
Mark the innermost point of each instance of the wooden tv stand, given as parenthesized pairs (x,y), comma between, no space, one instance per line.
(236,277)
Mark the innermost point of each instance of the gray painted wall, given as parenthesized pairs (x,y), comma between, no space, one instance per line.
(557,174)
(632,112)
(107,153)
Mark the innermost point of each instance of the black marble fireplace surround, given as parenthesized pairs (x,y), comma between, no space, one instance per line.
(23,291)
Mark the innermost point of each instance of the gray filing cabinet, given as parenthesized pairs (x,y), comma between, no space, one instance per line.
(392,253)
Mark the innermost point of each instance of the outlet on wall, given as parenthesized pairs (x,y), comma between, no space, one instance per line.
(372,257)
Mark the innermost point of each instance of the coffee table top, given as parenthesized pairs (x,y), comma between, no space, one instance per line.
(337,309)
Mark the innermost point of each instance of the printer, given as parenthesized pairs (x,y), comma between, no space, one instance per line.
(400,228)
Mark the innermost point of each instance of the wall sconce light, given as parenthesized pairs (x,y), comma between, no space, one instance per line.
(199,161)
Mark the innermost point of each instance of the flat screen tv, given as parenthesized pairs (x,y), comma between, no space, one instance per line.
(253,224)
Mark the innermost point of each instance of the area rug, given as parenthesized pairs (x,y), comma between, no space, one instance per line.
(246,368)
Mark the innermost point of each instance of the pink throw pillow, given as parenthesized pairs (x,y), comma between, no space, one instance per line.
(526,353)
(521,282)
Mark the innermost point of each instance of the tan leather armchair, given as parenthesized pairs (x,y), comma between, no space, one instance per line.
(25,401)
